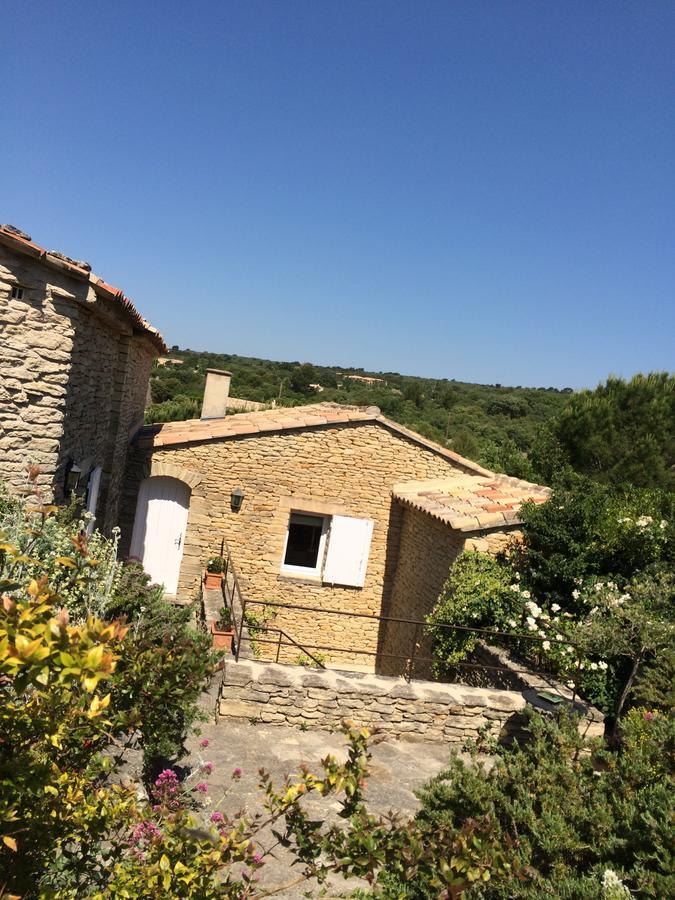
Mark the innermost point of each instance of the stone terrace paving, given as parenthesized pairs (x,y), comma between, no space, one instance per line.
(397,769)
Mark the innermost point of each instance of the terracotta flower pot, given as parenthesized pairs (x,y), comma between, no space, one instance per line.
(222,640)
(213,580)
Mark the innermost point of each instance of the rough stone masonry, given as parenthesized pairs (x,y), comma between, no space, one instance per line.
(422,710)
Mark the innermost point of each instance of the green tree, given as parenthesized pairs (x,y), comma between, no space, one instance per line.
(413,393)
(301,378)
(623,431)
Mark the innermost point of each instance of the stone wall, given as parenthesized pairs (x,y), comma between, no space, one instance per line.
(73,379)
(341,469)
(427,550)
(291,695)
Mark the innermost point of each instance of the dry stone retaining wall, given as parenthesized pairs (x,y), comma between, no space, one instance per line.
(420,710)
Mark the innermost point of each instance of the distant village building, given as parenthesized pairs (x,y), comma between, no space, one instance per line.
(75,359)
(169,361)
(369,380)
(342,509)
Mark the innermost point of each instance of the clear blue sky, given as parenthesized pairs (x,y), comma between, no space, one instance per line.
(473,190)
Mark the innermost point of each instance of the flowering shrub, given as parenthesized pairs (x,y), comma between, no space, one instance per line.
(82,569)
(588,595)
(55,721)
(599,651)
(591,530)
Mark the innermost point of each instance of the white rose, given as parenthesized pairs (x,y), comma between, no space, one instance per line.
(546,645)
(531,624)
(527,595)
(576,594)
(556,608)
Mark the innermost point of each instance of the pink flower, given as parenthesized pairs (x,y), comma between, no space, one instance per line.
(168,776)
(217,817)
(202,788)
(145,832)
(648,716)
(166,789)
(237,773)
(204,743)
(257,858)
(207,767)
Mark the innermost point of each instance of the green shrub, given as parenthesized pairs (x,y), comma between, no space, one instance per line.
(589,529)
(565,817)
(215,565)
(224,620)
(167,663)
(477,594)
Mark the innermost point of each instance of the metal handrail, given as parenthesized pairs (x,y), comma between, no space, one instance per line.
(265,629)
(410,657)
(342,612)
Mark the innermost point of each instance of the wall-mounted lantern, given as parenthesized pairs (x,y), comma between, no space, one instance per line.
(236,499)
(72,478)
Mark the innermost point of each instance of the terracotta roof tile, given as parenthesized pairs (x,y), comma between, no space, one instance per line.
(315,415)
(462,501)
(17,240)
(470,499)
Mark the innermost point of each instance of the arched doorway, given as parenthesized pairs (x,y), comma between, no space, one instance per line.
(159,528)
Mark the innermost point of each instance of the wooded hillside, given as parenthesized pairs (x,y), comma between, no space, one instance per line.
(493,424)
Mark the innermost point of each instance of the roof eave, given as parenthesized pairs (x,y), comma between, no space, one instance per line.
(48,258)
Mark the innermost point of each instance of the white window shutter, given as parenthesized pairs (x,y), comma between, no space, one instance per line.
(348,548)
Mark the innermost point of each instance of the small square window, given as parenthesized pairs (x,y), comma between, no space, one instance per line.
(305,542)
(17,292)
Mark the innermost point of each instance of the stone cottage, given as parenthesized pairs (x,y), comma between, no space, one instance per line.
(75,358)
(324,506)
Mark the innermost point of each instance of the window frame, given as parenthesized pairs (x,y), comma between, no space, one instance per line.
(20,289)
(316,572)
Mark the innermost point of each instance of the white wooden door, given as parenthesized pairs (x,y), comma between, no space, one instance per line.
(159,529)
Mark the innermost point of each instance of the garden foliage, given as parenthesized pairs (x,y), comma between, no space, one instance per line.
(565,817)
(588,595)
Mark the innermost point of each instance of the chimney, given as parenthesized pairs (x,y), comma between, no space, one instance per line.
(216,391)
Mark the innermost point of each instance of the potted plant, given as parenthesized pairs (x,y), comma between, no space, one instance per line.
(213,577)
(222,630)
